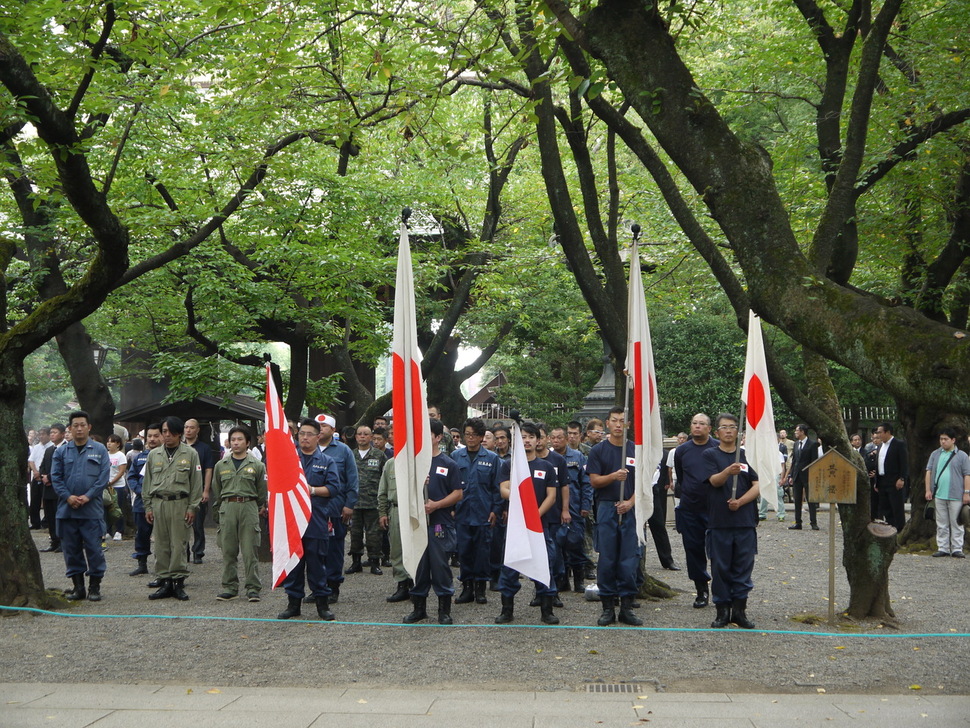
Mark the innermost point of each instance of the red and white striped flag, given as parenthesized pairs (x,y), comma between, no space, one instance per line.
(761,441)
(525,544)
(412,433)
(289,493)
(642,379)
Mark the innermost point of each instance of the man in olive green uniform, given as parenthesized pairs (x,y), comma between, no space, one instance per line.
(172,491)
(370,463)
(238,500)
(387,509)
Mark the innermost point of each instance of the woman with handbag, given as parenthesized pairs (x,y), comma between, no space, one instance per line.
(947,491)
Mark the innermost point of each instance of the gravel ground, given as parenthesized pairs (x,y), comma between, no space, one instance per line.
(123,641)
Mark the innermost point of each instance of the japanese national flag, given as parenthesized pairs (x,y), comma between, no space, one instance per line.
(525,544)
(289,493)
(412,431)
(645,409)
(761,442)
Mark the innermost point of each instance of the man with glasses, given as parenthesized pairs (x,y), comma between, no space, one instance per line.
(690,515)
(732,539)
(477,512)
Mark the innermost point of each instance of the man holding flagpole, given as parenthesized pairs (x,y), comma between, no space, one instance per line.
(325,484)
(444,490)
(612,473)
(529,546)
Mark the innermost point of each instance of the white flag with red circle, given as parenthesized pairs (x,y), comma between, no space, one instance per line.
(525,543)
(412,431)
(761,440)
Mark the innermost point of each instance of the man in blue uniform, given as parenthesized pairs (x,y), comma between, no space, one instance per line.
(477,512)
(341,508)
(79,474)
(136,476)
(580,506)
(732,536)
(545,483)
(690,515)
(559,514)
(612,474)
(443,492)
(325,488)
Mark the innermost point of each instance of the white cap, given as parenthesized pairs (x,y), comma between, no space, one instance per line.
(326,420)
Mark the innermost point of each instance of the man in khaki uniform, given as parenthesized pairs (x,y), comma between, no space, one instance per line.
(172,491)
(387,510)
(238,500)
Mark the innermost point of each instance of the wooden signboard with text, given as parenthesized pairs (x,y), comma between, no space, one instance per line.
(832,479)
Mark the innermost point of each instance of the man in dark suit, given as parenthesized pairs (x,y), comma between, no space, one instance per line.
(806,452)
(892,468)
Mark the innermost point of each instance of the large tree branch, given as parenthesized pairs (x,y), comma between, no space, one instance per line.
(482,359)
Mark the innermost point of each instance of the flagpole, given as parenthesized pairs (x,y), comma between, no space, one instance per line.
(634,261)
(737,453)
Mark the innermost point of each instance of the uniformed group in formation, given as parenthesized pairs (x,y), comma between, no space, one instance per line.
(584,490)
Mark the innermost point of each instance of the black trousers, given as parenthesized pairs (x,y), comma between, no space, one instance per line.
(658,527)
(801,492)
(892,502)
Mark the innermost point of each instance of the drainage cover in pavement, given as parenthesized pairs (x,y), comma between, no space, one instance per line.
(614,688)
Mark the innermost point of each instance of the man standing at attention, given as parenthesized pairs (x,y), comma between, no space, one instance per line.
(806,452)
(136,478)
(370,463)
(238,501)
(477,511)
(690,515)
(341,506)
(172,491)
(612,474)
(79,474)
(207,460)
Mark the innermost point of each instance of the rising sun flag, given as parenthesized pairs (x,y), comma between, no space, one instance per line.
(525,544)
(645,409)
(289,493)
(761,442)
(412,431)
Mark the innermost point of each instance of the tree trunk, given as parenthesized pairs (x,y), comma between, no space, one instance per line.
(653,588)
(21,578)
(868,550)
(93,393)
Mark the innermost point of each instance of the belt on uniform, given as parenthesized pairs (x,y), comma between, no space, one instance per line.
(238,499)
(172,497)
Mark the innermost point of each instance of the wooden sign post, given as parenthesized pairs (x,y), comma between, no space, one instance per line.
(832,480)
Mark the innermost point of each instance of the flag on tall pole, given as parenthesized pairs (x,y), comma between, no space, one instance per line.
(412,433)
(761,441)
(642,379)
(289,493)
(525,544)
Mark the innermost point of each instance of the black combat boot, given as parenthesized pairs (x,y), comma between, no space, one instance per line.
(334,591)
(508,610)
(702,599)
(738,616)
(545,611)
(579,585)
(94,589)
(419,612)
(375,567)
(723,616)
(562,583)
(178,589)
(292,608)
(323,610)
(608,615)
(403,591)
(142,567)
(164,590)
(536,601)
(627,615)
(444,609)
(480,597)
(78,592)
(467,593)
(355,566)
(155,583)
